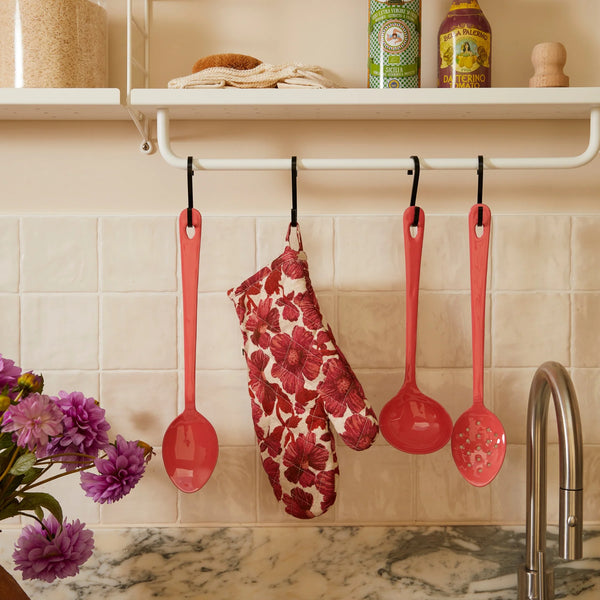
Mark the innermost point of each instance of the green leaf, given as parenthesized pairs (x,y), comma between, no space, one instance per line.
(23,464)
(12,510)
(5,440)
(34,500)
(31,475)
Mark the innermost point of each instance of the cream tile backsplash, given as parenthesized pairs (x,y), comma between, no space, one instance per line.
(93,302)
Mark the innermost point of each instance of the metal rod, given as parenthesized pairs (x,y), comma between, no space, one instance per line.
(373,164)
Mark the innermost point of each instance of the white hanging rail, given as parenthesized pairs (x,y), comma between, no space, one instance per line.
(356,164)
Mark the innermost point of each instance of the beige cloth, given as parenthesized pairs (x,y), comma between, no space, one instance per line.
(262,76)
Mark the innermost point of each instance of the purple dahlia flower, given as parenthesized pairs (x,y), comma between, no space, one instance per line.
(53,550)
(33,421)
(9,372)
(118,473)
(84,430)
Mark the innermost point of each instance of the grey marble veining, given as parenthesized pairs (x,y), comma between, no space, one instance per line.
(333,563)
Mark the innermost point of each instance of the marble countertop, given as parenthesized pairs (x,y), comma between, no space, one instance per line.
(300,563)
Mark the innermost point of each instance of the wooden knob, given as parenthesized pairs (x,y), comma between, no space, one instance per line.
(548,60)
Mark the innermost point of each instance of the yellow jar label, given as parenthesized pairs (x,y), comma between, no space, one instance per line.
(465,57)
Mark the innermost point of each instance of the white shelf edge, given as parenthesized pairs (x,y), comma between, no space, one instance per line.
(61,104)
(368,104)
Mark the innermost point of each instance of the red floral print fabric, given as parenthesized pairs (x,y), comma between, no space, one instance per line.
(299,384)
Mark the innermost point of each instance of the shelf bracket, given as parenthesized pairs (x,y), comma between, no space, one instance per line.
(354,164)
(141,67)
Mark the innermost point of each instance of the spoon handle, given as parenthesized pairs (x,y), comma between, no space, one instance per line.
(413,249)
(478,251)
(190,266)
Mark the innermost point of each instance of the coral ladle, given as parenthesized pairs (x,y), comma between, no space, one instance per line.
(411,421)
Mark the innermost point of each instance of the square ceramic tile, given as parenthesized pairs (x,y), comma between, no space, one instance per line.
(380,386)
(59,331)
(586,253)
(443,496)
(152,500)
(509,488)
(530,328)
(591,485)
(139,254)
(586,323)
(229,496)
(222,397)
(375,486)
(85,382)
(219,338)
(67,490)
(9,326)
(531,252)
(587,389)
(369,253)
(445,260)
(370,329)
(511,398)
(317,240)
(227,256)
(59,254)
(9,254)
(139,405)
(444,330)
(139,331)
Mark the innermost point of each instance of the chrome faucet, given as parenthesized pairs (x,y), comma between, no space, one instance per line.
(536,581)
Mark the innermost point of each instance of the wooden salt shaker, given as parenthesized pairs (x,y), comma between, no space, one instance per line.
(548,60)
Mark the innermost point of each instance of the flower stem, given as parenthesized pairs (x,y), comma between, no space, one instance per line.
(11,462)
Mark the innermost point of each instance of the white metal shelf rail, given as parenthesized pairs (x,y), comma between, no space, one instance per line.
(356,164)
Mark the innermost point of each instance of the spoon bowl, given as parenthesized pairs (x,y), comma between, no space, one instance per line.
(411,421)
(190,446)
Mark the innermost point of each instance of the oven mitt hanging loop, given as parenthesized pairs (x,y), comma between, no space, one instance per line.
(300,384)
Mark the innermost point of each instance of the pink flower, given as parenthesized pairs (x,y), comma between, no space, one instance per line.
(84,430)
(33,421)
(302,456)
(52,550)
(265,392)
(119,472)
(295,359)
(9,373)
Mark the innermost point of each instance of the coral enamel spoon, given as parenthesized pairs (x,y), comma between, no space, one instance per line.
(478,439)
(190,446)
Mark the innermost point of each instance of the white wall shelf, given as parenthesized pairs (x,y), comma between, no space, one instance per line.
(368,104)
(61,104)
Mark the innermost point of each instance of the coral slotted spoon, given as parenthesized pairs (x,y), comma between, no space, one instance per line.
(190,446)
(411,421)
(478,439)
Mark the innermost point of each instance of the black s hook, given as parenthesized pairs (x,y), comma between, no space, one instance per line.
(294,219)
(415,187)
(190,174)
(480,190)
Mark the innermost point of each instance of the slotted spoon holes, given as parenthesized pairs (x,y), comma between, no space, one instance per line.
(478,446)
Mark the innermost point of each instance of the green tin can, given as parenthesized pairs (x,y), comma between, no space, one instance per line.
(395,44)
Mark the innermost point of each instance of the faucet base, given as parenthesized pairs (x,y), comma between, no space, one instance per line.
(533,586)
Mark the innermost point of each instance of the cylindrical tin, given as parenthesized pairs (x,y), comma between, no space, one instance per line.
(395,43)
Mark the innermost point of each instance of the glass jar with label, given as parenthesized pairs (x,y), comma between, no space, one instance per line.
(53,43)
(465,47)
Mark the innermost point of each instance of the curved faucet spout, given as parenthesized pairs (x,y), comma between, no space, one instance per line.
(552,379)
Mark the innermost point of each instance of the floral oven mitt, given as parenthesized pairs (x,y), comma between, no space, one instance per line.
(299,384)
